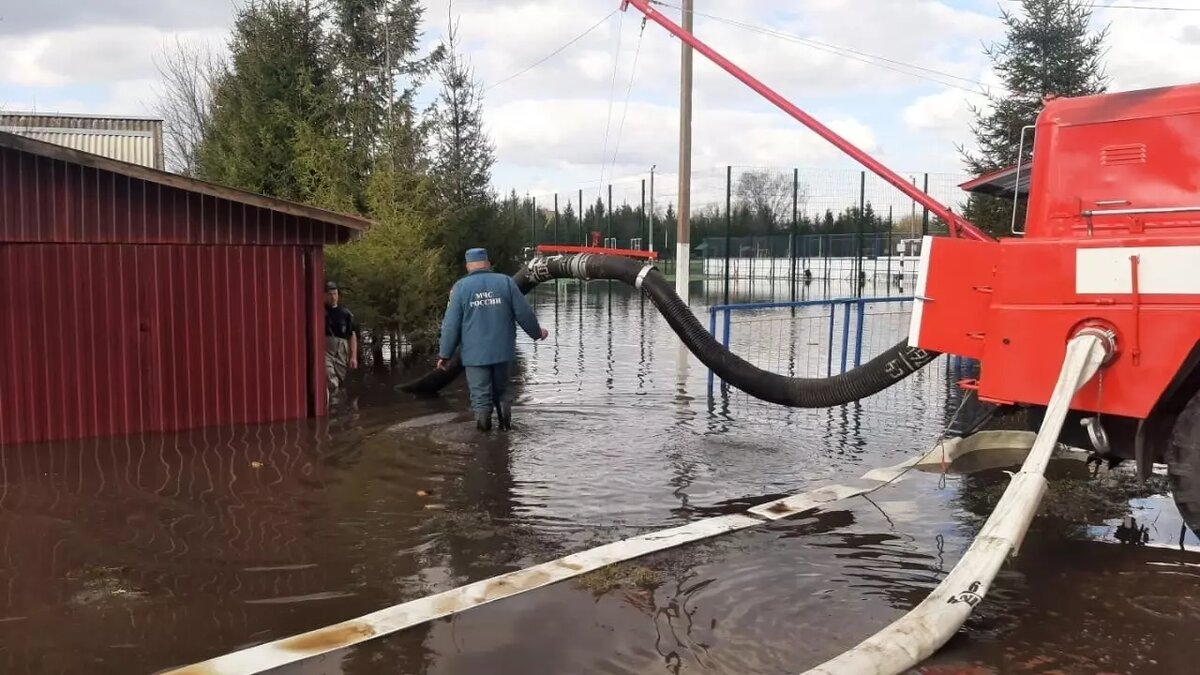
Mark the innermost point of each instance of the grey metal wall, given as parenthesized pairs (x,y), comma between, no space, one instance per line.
(130,139)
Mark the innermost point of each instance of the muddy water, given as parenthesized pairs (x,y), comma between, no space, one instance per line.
(137,554)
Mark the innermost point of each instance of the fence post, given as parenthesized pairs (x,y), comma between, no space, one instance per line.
(610,209)
(890,250)
(728,223)
(795,225)
(642,213)
(753,255)
(712,330)
(845,335)
(828,243)
(725,340)
(532,222)
(862,217)
(829,350)
(858,338)
(555,218)
(925,211)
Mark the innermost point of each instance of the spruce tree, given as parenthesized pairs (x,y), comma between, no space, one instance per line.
(379,70)
(464,155)
(1048,50)
(274,110)
(462,166)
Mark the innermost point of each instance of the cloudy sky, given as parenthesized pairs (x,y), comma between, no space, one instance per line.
(894,76)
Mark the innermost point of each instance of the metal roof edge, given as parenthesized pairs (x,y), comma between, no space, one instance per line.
(82,158)
(88,116)
(20,130)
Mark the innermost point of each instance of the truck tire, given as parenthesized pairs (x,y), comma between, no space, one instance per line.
(1183,463)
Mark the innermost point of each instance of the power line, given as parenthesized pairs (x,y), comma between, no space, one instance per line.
(612,95)
(1149,8)
(554,53)
(846,52)
(625,111)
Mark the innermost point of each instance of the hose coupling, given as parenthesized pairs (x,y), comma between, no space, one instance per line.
(1107,337)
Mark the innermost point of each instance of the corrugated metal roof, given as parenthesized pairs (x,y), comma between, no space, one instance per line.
(11,184)
(80,121)
(137,140)
(135,147)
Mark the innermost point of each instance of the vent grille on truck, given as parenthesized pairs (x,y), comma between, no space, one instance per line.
(1134,153)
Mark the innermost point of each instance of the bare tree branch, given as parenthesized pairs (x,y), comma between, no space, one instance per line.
(190,73)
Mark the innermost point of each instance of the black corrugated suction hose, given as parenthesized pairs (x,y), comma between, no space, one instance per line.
(872,377)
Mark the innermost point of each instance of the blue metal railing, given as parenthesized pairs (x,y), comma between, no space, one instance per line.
(846,305)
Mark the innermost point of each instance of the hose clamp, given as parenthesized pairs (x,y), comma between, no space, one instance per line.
(1107,337)
(578,266)
(538,269)
(642,276)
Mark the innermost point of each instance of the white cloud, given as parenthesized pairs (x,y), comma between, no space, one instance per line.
(37,16)
(1151,48)
(549,123)
(104,54)
(566,136)
(21,62)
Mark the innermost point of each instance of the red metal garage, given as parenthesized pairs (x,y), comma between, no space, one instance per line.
(137,300)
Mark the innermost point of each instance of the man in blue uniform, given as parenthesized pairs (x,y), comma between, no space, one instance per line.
(484,309)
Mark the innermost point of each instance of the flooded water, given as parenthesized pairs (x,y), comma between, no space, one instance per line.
(138,554)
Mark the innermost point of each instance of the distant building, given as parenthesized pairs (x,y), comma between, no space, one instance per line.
(136,300)
(137,140)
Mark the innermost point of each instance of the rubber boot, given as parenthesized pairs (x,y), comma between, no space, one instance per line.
(483,421)
(504,413)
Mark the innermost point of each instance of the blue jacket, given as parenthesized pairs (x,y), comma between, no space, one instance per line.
(482,315)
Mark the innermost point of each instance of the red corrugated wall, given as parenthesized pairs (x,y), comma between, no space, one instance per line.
(130,306)
(115,339)
(45,200)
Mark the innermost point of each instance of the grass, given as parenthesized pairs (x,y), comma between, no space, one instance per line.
(1074,501)
(621,575)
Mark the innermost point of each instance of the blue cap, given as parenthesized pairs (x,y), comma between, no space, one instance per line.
(477,255)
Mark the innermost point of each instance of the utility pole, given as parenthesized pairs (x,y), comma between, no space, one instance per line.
(652,206)
(683,238)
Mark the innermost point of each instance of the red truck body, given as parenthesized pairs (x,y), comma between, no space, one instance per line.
(1112,237)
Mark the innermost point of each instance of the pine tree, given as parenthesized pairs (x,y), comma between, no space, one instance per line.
(1048,51)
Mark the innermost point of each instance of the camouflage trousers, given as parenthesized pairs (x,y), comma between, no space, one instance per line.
(337,363)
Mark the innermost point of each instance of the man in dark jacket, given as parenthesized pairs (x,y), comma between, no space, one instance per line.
(484,309)
(341,340)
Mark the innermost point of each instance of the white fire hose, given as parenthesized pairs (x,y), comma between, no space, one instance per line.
(893,650)
(917,635)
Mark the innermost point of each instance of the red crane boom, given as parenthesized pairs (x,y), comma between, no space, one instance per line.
(957,225)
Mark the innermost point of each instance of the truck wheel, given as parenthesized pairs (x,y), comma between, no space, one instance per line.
(1183,463)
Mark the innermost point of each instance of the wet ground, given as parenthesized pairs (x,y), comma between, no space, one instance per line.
(137,554)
